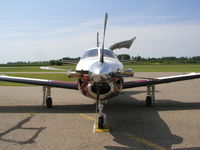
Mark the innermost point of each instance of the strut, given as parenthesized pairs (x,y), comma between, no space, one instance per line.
(150,98)
(47,100)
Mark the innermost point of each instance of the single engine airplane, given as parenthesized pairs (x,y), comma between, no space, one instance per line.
(100,75)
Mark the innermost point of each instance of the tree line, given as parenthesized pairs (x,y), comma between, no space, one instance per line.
(135,60)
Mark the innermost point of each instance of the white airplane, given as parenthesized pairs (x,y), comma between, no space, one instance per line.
(100,76)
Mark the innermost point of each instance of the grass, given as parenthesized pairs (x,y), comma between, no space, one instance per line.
(165,68)
(63,76)
(33,69)
(137,68)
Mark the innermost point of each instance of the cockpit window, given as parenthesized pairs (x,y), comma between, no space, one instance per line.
(90,53)
(108,53)
(94,53)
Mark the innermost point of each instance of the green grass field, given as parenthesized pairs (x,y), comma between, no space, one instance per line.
(63,76)
(32,69)
(137,68)
(165,68)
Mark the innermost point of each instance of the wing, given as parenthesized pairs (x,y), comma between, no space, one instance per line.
(70,61)
(161,80)
(52,83)
(127,61)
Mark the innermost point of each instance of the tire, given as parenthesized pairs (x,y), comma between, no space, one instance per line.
(100,122)
(49,102)
(148,101)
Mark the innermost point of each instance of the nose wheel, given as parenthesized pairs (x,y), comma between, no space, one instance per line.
(100,122)
(101,117)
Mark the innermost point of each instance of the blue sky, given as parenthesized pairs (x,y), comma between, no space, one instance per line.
(41,30)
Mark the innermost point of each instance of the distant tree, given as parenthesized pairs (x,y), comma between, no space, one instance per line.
(124,57)
(55,62)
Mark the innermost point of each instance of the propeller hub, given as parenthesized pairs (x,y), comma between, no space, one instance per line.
(100,72)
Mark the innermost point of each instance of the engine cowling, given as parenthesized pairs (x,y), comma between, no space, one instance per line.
(106,89)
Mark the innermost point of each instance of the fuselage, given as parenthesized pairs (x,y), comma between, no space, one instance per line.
(99,74)
(92,56)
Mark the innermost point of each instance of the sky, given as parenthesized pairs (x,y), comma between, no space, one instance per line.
(40,30)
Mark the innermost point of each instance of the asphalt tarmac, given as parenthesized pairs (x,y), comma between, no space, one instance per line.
(172,123)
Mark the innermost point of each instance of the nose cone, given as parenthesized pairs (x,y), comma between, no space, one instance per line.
(100,72)
(99,68)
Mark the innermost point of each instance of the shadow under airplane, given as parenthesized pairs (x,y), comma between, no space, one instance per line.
(132,123)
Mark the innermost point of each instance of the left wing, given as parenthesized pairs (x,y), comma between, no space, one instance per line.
(42,82)
(161,80)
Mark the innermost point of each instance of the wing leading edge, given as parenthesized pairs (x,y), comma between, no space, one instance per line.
(41,82)
(161,80)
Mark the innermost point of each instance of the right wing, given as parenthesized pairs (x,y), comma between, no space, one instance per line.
(161,80)
(41,82)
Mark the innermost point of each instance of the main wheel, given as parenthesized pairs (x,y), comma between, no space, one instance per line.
(49,102)
(148,101)
(100,122)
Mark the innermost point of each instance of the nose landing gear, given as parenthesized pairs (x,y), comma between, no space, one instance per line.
(101,117)
(100,124)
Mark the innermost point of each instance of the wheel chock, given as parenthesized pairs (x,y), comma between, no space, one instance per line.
(97,130)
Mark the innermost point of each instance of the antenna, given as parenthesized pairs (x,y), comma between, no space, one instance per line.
(97,39)
(104,31)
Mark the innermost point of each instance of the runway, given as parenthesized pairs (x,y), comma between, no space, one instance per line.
(172,123)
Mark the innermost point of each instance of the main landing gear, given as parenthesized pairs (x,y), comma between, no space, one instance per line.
(47,100)
(150,98)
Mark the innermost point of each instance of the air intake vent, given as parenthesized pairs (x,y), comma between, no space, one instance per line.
(104,88)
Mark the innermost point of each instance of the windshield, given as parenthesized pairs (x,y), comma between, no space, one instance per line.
(90,53)
(94,53)
(108,53)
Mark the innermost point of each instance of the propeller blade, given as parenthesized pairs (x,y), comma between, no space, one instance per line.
(70,73)
(73,74)
(104,33)
(97,39)
(51,68)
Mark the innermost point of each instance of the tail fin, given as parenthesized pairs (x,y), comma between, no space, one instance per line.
(123,44)
(104,32)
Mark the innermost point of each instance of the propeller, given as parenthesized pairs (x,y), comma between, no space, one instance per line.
(104,32)
(73,74)
(70,73)
(51,68)
(97,39)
